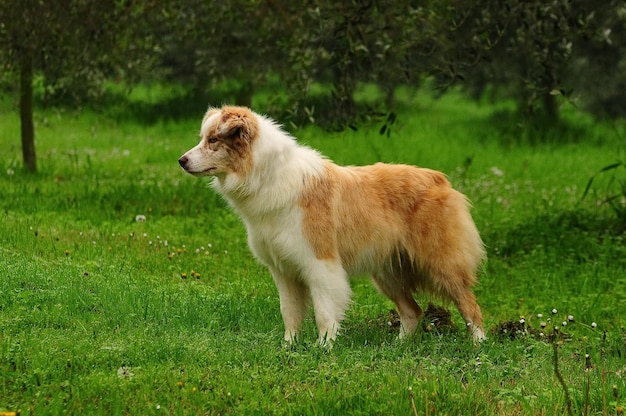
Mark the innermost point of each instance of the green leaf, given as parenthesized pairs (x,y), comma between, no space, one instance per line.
(611,166)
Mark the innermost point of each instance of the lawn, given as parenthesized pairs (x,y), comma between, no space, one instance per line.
(126,286)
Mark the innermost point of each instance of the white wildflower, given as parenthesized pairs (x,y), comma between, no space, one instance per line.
(124,372)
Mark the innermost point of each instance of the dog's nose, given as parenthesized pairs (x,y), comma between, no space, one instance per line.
(183,161)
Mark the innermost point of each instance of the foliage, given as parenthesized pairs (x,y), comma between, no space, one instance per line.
(75,45)
(541,53)
(211,43)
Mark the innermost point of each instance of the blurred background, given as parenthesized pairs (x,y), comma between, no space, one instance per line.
(306,61)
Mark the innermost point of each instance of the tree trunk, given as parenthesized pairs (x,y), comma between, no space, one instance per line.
(26,114)
(551,106)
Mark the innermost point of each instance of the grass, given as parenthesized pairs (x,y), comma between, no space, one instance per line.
(104,313)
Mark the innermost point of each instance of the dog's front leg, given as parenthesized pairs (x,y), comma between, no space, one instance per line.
(330,293)
(294,302)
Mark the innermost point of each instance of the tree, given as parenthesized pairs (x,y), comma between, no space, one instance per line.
(532,50)
(344,44)
(535,50)
(233,42)
(70,43)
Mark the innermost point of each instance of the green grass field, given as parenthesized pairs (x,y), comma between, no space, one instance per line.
(104,313)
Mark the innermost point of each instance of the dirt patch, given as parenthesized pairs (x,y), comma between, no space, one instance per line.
(435,318)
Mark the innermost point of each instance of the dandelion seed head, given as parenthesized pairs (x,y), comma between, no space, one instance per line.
(594,325)
(554,311)
(140,218)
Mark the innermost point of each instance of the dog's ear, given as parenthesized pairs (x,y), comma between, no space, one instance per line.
(209,113)
(237,122)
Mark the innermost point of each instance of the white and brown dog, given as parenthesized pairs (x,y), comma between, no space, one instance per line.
(314,223)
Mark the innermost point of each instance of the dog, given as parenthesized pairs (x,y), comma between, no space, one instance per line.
(314,223)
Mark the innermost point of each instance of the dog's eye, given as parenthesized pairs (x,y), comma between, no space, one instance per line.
(212,140)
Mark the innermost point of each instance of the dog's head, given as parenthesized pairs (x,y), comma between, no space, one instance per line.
(226,137)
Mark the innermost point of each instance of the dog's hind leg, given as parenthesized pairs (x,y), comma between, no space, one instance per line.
(466,304)
(294,302)
(408,309)
(330,293)
(456,287)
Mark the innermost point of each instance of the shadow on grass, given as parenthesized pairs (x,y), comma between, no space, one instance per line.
(578,234)
(189,104)
(511,128)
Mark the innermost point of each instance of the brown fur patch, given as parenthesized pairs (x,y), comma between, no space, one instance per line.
(406,221)
(238,123)
(319,219)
